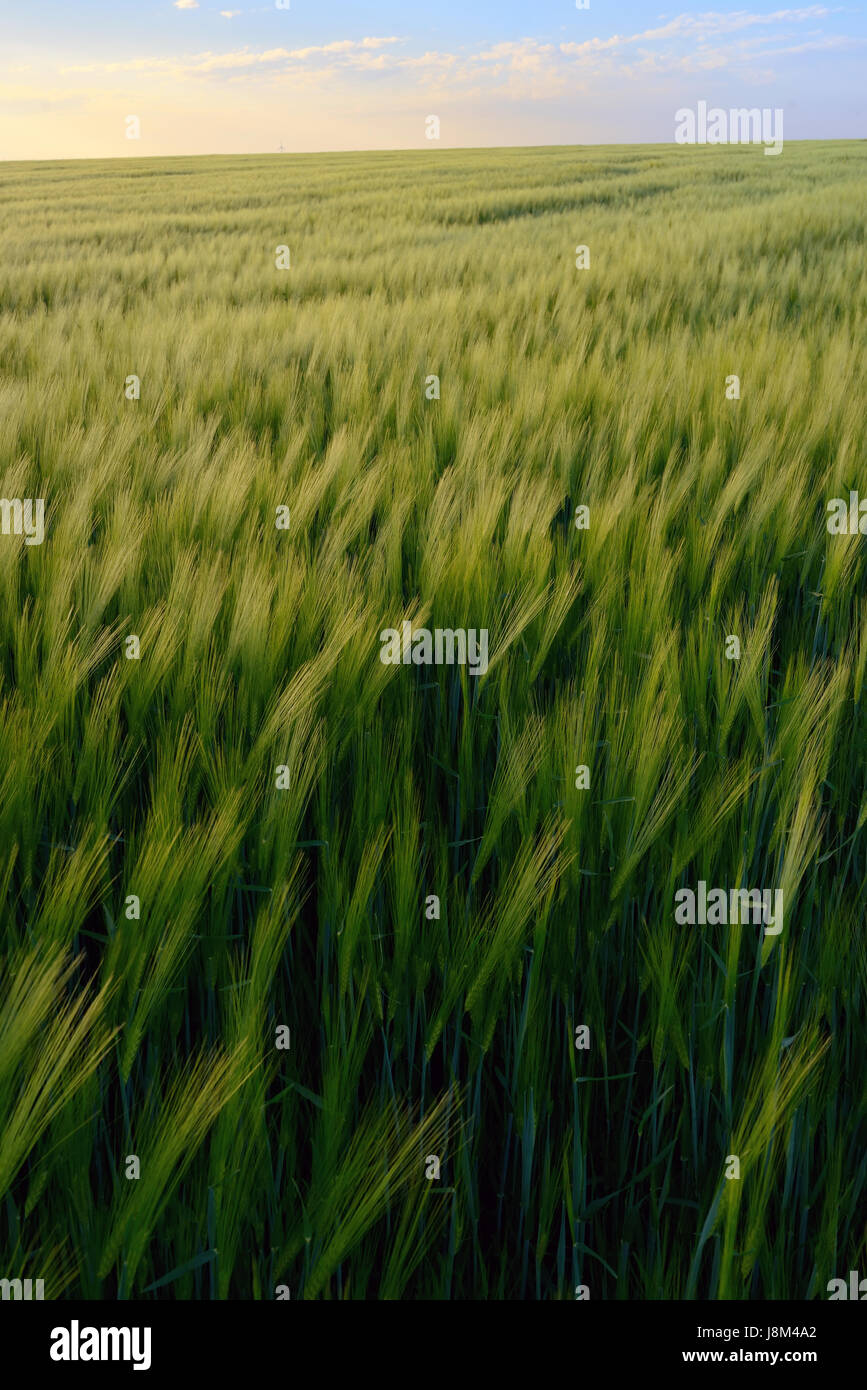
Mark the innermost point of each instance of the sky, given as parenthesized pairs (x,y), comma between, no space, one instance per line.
(327,75)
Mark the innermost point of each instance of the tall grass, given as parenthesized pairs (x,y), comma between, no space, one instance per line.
(304,907)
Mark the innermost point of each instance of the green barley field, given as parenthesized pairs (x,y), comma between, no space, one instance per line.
(282,923)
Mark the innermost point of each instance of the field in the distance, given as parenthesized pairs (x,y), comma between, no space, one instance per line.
(154,1035)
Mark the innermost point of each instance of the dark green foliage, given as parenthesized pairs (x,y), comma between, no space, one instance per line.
(305,907)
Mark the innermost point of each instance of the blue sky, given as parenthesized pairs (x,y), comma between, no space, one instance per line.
(235,77)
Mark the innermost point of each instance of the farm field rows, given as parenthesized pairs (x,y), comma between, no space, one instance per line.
(247,829)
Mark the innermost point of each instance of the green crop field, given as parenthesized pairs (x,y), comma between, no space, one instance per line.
(282,923)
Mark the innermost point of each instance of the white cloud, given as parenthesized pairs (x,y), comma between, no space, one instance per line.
(199,64)
(186,4)
(699,27)
(526,68)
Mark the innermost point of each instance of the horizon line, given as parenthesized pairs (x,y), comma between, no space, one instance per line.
(430,149)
